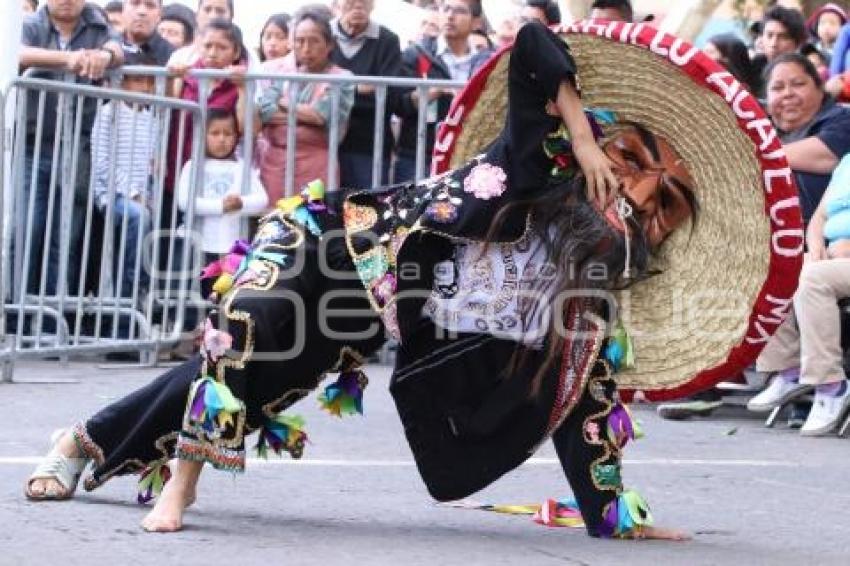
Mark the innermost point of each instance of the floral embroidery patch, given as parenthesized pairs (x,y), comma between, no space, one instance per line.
(215,342)
(485,181)
(384,289)
(607,475)
(359,218)
(372,265)
(591,430)
(443,212)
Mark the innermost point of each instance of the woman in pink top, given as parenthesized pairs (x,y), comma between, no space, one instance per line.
(313,42)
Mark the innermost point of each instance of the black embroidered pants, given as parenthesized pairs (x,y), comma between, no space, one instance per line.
(297,311)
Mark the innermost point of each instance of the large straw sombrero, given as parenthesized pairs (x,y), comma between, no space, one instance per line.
(726,284)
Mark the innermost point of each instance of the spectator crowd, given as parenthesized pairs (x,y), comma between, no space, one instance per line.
(799,68)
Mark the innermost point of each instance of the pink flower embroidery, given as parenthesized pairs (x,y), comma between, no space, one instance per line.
(485,181)
(216,343)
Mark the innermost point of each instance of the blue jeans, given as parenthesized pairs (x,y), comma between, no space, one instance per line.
(74,213)
(138,228)
(355,171)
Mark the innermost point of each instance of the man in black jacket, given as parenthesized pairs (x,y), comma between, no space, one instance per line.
(364,48)
(449,56)
(141,18)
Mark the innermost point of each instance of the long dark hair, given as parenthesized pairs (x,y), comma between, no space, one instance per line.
(320,17)
(579,244)
(736,58)
(233,34)
(281,21)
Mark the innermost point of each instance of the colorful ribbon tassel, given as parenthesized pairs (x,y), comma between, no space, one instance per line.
(152,481)
(345,395)
(226,271)
(626,513)
(213,405)
(559,514)
(282,433)
(620,351)
(622,426)
(302,207)
(550,514)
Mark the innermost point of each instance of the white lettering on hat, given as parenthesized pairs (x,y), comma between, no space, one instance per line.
(795,235)
(792,203)
(444,143)
(635,33)
(784,175)
(765,130)
(590,26)
(725,82)
(779,313)
(625,31)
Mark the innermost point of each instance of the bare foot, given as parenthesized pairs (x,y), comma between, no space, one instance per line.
(658,533)
(50,488)
(167,515)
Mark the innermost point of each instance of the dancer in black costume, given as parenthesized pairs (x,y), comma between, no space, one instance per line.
(476,371)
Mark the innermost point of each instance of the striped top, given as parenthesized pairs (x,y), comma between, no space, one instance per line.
(124,143)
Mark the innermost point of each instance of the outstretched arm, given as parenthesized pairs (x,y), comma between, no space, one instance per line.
(597,167)
(543,85)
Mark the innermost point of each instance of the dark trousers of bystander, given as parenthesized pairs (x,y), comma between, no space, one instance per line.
(51,220)
(355,171)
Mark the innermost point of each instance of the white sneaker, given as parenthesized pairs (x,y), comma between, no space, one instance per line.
(777,394)
(826,414)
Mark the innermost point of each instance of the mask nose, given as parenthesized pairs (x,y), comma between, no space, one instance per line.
(644,192)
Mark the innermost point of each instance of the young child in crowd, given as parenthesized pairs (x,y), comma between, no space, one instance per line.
(222,49)
(124,145)
(221,200)
(274,37)
(824,26)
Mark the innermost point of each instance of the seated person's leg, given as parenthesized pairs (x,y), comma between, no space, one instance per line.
(822,284)
(780,357)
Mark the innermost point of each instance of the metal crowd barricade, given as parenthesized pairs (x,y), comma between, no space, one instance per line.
(51,311)
(65,257)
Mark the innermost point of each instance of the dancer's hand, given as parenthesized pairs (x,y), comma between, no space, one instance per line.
(658,533)
(602,184)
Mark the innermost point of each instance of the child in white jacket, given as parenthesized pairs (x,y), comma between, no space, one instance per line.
(221,202)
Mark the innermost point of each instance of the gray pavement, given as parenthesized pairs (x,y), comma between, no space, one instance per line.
(750,495)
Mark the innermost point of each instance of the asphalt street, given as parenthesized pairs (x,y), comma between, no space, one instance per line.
(749,495)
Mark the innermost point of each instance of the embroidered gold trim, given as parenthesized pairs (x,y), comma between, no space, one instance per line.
(271,409)
(348,359)
(132,465)
(86,444)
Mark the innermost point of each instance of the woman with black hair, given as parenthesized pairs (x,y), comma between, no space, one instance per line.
(311,113)
(177,25)
(728,50)
(274,37)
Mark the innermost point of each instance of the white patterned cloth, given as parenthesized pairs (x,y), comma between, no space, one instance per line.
(502,289)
